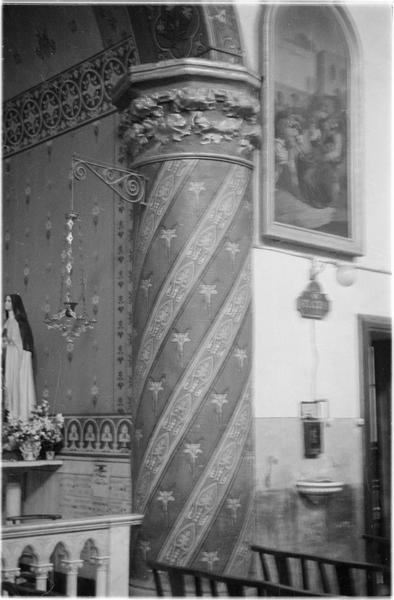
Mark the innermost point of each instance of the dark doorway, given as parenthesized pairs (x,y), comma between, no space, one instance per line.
(375,336)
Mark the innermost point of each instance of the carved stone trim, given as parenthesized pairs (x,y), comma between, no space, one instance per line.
(186,69)
(157,158)
(212,114)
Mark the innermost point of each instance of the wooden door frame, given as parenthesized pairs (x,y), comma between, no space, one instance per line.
(370,329)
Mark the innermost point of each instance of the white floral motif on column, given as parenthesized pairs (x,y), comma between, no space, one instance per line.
(168,235)
(180,339)
(165,498)
(233,504)
(155,387)
(233,249)
(146,284)
(210,558)
(219,400)
(193,450)
(197,187)
(208,290)
(241,355)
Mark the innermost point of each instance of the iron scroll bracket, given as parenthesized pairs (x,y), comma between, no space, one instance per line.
(129,185)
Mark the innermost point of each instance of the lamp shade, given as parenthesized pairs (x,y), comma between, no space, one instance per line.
(346,275)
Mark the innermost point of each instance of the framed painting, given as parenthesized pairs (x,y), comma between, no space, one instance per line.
(311,115)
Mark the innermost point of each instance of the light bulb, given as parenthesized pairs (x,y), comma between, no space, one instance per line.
(346,275)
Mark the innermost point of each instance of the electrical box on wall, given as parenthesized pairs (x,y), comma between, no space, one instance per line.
(313,415)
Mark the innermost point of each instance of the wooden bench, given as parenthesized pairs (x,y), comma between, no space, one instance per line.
(320,574)
(171,580)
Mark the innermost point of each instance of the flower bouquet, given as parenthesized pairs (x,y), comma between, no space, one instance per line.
(51,434)
(39,432)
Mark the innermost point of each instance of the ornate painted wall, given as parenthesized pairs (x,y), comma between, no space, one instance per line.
(60,103)
(44,126)
(80,53)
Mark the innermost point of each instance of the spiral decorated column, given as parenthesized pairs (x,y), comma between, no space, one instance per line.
(191,129)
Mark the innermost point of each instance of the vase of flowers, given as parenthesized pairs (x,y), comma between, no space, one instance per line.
(40,432)
(30,449)
(24,436)
(51,434)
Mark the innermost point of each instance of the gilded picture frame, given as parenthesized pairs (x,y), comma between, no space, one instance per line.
(311,154)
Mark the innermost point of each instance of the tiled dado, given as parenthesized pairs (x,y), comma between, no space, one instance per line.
(97,435)
(74,97)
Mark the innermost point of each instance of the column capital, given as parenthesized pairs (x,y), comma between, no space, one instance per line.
(9,574)
(189,105)
(101,562)
(42,569)
(71,566)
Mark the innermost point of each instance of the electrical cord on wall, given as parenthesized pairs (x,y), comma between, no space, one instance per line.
(315,359)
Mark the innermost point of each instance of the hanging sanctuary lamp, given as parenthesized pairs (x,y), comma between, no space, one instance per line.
(70,321)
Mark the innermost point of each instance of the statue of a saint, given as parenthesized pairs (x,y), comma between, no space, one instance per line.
(18,382)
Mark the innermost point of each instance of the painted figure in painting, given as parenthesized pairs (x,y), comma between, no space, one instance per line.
(18,383)
(311,75)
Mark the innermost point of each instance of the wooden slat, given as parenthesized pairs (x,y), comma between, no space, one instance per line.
(177,582)
(197,586)
(345,580)
(282,565)
(305,574)
(264,565)
(157,580)
(324,577)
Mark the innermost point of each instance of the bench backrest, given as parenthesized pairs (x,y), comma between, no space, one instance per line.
(321,574)
(183,581)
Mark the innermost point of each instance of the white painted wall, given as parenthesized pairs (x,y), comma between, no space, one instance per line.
(284,352)
(285,359)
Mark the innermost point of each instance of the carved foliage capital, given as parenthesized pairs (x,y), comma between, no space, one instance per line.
(213,115)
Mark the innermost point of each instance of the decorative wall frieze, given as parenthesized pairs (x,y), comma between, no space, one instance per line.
(68,100)
(214,115)
(97,435)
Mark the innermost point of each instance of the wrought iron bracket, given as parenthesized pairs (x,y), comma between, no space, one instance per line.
(129,185)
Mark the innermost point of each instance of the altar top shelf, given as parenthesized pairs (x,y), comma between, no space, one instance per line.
(29,464)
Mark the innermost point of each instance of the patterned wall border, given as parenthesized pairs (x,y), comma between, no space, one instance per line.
(97,435)
(68,100)
(123,381)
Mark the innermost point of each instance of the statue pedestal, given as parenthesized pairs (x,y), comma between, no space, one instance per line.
(14,473)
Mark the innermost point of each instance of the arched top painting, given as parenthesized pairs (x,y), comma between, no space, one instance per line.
(310,169)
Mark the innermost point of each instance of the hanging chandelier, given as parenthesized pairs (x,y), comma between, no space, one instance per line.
(70,323)
(130,186)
